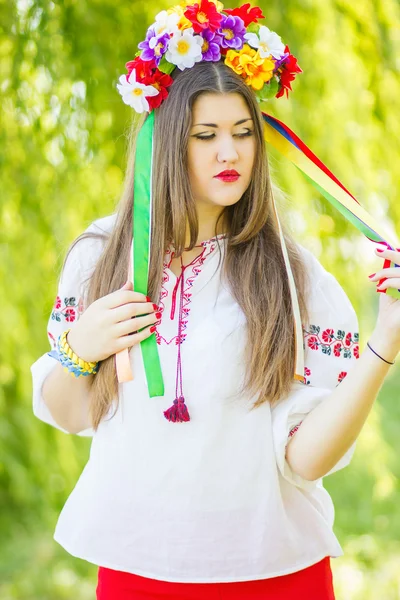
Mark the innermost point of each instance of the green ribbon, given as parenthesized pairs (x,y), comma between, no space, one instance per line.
(141,245)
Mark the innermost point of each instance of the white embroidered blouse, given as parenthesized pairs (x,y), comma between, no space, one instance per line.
(212,499)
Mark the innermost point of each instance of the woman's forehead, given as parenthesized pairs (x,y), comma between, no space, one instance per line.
(214,108)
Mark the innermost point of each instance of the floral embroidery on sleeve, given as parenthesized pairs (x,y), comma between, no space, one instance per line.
(341,343)
(307,373)
(68,311)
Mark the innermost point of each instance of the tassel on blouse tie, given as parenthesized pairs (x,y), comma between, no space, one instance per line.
(178,412)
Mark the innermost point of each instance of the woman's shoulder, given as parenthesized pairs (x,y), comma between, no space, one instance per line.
(86,248)
(315,268)
(91,241)
(326,297)
(103,225)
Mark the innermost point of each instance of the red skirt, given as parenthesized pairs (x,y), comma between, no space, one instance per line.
(312,583)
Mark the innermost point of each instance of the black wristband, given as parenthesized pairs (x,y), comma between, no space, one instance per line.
(386,361)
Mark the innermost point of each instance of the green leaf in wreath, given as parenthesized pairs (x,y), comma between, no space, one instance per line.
(269,90)
(253,28)
(165,66)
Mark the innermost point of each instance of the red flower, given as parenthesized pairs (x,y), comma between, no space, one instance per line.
(313,342)
(204,16)
(341,376)
(70,315)
(247,16)
(347,339)
(337,349)
(148,73)
(356,351)
(287,71)
(307,371)
(328,335)
(57,303)
(161,81)
(143,68)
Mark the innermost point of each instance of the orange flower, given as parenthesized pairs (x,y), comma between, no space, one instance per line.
(251,66)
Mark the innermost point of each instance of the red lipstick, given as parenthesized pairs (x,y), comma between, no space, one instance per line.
(229,175)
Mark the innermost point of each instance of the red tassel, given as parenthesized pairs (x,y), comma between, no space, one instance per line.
(178,412)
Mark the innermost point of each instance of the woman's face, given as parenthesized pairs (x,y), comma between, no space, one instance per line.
(221,138)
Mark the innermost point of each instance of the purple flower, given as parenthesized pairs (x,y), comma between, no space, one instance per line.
(211,46)
(154,46)
(281,60)
(232,32)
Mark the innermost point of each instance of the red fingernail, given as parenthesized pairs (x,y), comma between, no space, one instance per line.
(372,275)
(158,315)
(148,299)
(379,290)
(152,329)
(379,250)
(155,307)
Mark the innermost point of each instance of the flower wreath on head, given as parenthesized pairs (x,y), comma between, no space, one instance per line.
(179,38)
(190,33)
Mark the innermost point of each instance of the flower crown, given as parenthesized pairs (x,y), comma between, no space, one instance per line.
(189,33)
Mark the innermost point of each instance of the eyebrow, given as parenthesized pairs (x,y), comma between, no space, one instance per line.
(215,125)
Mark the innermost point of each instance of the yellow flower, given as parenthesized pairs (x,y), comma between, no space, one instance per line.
(251,66)
(183,22)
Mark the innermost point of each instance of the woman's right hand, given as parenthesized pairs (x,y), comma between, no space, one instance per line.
(111,324)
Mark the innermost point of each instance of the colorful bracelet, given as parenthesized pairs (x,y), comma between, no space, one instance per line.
(71,361)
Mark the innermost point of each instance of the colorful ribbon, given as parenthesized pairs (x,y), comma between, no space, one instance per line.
(290,145)
(142,210)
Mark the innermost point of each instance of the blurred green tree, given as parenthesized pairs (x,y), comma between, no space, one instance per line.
(63,155)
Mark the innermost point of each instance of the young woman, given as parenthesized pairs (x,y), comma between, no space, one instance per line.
(220,506)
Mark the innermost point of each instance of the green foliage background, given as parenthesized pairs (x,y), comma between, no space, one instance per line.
(62,154)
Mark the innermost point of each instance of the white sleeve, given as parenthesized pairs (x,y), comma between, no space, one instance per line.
(331,346)
(68,307)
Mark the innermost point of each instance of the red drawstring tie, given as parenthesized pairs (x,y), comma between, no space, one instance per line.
(178,412)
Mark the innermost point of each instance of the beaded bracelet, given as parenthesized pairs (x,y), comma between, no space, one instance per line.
(71,361)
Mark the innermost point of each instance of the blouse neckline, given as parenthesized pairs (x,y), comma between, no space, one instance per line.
(218,237)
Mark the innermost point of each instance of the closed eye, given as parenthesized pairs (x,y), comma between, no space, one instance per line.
(210,137)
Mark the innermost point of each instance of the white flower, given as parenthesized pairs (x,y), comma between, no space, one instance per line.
(267,42)
(184,49)
(134,93)
(166,23)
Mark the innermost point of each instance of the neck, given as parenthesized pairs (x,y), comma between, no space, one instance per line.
(207,223)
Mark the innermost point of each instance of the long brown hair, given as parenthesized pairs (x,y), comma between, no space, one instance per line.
(254,264)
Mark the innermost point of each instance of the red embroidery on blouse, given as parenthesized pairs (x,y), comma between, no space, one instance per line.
(68,311)
(195,269)
(343,344)
(293,431)
(307,373)
(71,310)
(52,340)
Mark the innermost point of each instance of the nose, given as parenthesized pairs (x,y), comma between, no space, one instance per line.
(227,152)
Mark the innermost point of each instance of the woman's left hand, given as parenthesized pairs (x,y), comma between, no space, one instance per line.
(388,321)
